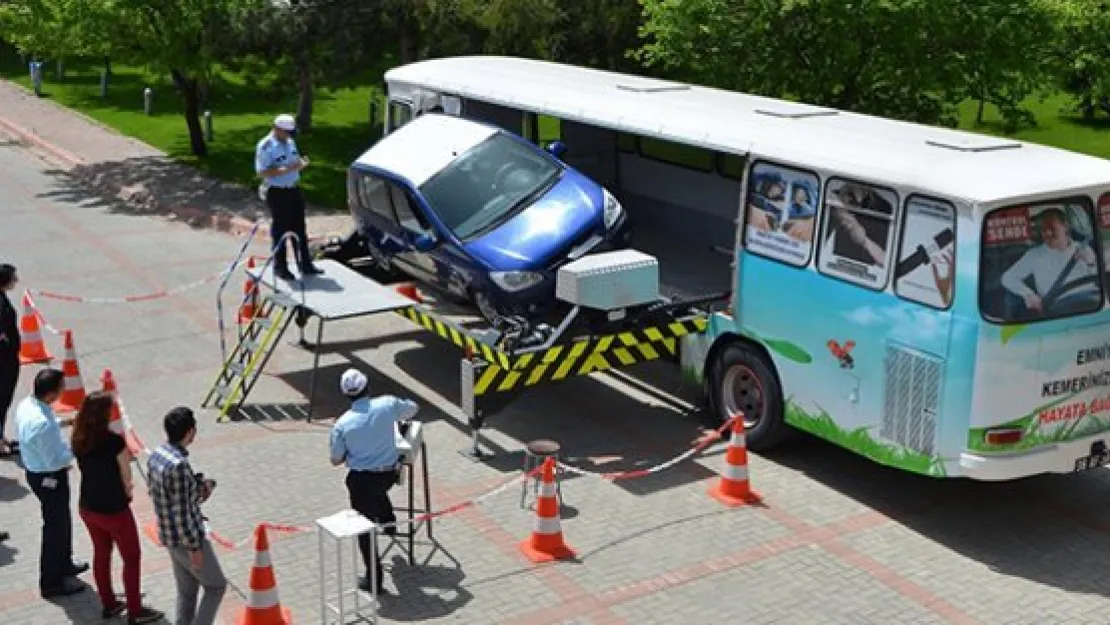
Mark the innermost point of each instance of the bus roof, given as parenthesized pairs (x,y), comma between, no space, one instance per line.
(952,163)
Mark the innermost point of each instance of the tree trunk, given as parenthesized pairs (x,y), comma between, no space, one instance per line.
(108,66)
(190,91)
(979,111)
(408,34)
(305,97)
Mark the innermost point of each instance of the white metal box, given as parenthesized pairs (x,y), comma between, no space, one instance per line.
(610,280)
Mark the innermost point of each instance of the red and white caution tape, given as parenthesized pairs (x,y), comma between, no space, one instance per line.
(131,299)
(215,537)
(711,438)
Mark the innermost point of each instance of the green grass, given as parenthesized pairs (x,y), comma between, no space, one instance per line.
(1056,125)
(860,441)
(242,113)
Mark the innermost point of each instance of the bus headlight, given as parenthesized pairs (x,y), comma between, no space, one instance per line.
(513,281)
(613,209)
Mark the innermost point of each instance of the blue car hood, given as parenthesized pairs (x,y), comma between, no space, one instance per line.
(568,210)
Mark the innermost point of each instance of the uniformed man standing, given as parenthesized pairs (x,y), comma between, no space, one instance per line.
(364,438)
(279,164)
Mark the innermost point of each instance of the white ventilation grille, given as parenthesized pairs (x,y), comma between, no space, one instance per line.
(911,399)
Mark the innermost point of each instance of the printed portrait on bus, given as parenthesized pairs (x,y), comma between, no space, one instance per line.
(926,262)
(1104,233)
(1039,262)
(781,213)
(859,226)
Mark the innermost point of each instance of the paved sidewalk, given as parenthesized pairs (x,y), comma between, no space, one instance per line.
(138,176)
(840,540)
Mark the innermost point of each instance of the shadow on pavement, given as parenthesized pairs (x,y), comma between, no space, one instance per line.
(1053,530)
(11,490)
(425,591)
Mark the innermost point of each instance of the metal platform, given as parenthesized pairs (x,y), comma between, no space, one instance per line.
(338,293)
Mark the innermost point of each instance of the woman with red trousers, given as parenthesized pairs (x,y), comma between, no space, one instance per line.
(105,506)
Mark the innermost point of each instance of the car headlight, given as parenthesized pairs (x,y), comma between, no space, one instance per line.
(515,280)
(613,209)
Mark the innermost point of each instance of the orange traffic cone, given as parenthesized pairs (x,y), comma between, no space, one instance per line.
(263,606)
(108,385)
(73,391)
(734,489)
(249,307)
(546,543)
(33,349)
(410,291)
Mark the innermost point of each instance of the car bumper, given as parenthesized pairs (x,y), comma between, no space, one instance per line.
(1057,458)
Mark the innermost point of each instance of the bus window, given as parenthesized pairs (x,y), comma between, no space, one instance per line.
(1039,262)
(1104,230)
(731,165)
(781,213)
(677,154)
(927,257)
(858,228)
(400,113)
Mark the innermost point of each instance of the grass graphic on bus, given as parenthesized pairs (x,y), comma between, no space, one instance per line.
(860,441)
(1079,428)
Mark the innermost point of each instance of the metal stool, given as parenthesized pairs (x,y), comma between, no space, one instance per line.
(535,453)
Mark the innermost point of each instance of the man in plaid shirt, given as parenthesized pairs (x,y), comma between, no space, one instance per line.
(177,493)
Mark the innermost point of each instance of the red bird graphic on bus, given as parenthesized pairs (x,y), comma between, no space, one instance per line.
(843,354)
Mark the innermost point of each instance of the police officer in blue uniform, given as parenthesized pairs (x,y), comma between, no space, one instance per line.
(279,164)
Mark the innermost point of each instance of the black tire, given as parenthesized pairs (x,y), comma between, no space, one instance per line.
(486,308)
(742,379)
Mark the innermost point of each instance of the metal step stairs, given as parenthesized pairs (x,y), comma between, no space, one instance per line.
(257,341)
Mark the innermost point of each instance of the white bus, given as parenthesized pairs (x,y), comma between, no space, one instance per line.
(935,300)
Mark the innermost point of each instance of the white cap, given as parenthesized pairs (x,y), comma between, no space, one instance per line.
(352,382)
(285,121)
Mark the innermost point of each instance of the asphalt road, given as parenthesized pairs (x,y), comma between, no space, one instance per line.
(839,539)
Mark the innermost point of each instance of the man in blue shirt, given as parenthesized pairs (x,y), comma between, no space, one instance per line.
(364,438)
(47,459)
(279,164)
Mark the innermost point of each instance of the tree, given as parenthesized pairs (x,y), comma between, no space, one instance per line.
(1010,59)
(183,38)
(1082,50)
(909,59)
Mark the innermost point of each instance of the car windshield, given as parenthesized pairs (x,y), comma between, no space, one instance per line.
(488,184)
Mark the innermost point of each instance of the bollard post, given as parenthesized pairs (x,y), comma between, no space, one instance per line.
(103,84)
(208,134)
(36,76)
(148,100)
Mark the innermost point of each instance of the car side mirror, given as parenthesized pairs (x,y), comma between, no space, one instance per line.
(556,149)
(425,241)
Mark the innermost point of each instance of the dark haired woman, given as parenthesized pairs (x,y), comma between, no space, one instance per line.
(9,350)
(105,506)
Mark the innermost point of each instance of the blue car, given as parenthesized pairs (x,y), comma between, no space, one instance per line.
(479,212)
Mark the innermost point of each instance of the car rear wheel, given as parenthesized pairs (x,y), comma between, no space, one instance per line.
(743,382)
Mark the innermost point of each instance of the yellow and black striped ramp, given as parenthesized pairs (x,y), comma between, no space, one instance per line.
(459,337)
(614,351)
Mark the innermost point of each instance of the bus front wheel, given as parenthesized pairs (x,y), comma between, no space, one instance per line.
(743,382)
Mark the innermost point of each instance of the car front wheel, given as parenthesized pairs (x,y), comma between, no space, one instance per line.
(489,310)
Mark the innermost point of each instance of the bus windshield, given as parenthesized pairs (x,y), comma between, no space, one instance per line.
(1041,261)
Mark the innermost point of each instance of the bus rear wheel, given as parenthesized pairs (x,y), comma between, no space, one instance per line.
(743,382)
